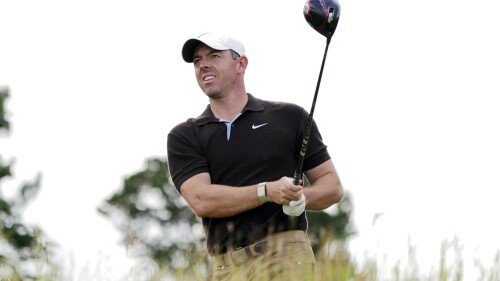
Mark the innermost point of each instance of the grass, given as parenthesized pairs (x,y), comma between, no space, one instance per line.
(339,265)
(333,264)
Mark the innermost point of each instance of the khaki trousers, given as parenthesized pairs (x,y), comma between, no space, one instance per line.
(286,256)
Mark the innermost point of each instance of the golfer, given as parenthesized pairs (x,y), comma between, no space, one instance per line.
(233,164)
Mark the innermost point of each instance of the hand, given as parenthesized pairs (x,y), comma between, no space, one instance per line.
(283,191)
(295,208)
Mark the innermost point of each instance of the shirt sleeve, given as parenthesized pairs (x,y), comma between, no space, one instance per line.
(316,152)
(185,156)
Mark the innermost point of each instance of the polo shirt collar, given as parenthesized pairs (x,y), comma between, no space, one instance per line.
(253,104)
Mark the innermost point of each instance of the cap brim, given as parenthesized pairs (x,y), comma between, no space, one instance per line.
(188,49)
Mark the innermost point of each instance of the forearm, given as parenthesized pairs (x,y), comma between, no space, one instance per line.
(223,201)
(213,200)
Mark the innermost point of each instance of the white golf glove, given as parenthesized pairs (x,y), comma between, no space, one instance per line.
(295,208)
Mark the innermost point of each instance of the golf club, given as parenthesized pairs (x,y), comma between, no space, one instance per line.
(322,16)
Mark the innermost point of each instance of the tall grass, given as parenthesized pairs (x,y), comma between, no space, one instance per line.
(334,263)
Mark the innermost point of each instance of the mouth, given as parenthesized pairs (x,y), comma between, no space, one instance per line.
(208,78)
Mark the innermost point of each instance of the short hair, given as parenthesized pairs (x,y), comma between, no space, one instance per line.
(234,54)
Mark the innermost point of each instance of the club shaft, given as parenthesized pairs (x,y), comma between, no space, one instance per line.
(298,172)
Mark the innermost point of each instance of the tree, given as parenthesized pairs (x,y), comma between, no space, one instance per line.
(329,231)
(24,250)
(156,222)
(333,225)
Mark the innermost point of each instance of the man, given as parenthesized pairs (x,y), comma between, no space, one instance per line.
(233,165)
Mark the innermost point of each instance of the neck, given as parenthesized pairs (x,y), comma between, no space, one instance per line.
(228,107)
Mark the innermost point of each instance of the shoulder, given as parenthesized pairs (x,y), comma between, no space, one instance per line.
(279,105)
(184,132)
(183,126)
(191,124)
(271,105)
(285,110)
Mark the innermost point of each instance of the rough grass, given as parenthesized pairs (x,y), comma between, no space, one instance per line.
(334,264)
(339,265)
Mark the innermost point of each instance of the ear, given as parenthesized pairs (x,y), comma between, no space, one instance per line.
(242,64)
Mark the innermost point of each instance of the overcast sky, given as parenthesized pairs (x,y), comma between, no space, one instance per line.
(408,107)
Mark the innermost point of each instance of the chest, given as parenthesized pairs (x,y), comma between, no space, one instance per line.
(256,144)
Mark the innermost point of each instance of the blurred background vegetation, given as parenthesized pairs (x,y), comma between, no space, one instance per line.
(24,249)
(160,232)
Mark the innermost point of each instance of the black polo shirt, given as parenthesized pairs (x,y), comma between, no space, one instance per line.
(261,145)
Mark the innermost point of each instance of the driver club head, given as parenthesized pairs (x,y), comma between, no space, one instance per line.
(322,15)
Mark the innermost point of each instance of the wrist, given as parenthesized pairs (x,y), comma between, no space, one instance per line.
(261,192)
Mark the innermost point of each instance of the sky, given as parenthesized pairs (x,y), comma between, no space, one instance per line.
(408,107)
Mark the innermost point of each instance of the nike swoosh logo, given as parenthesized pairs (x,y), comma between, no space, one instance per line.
(258,126)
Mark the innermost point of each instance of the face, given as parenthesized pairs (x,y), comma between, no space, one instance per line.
(216,71)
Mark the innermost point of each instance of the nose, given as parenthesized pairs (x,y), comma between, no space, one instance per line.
(203,63)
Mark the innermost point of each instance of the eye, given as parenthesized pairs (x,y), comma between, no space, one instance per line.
(215,56)
(196,61)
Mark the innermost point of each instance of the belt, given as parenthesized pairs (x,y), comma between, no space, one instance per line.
(243,254)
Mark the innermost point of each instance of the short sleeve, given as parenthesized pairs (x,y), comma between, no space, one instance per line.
(185,156)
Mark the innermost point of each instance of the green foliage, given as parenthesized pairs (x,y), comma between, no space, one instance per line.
(325,227)
(4,122)
(24,253)
(155,221)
